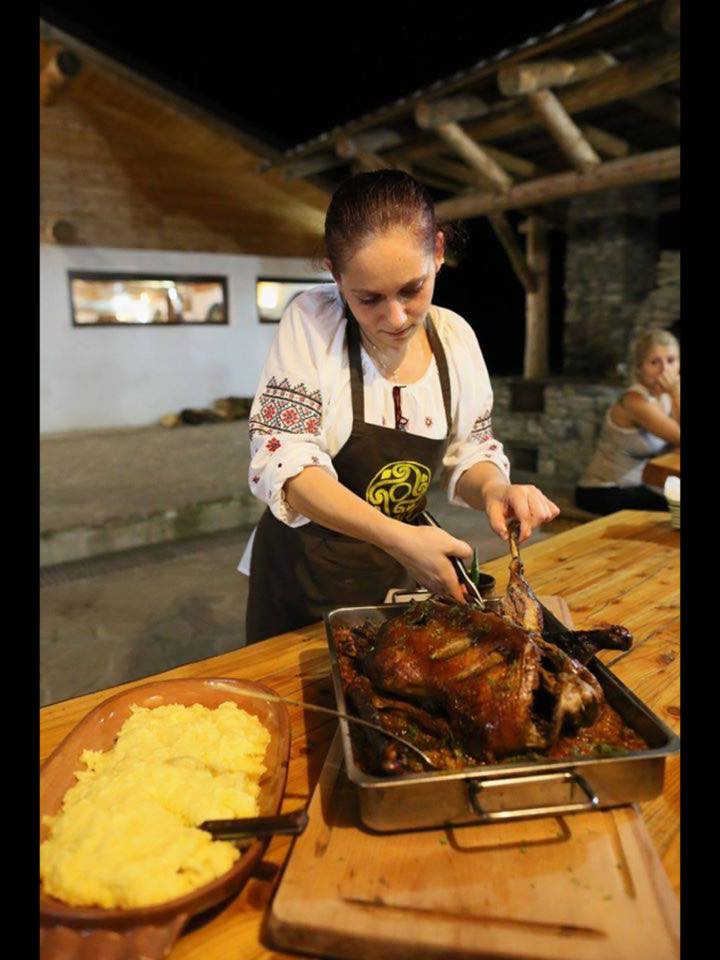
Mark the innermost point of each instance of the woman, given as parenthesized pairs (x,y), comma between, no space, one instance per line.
(640,425)
(368,391)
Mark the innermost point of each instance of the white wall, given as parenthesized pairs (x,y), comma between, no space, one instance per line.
(127,376)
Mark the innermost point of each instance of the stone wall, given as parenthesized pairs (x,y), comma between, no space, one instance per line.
(561,438)
(661,307)
(610,268)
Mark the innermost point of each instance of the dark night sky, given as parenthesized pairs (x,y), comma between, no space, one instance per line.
(286,77)
(289,76)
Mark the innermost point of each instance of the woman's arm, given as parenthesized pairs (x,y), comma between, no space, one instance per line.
(484,487)
(650,417)
(424,551)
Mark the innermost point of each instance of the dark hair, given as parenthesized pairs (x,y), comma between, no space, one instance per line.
(367,204)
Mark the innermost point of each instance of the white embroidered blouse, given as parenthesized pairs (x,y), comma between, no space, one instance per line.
(302,411)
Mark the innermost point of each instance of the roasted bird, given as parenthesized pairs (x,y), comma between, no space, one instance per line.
(471,685)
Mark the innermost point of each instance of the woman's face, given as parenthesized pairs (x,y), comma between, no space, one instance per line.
(660,362)
(389,283)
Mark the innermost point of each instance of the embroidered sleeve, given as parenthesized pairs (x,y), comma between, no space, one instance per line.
(286,419)
(472,440)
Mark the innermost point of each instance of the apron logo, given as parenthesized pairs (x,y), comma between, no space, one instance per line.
(398,488)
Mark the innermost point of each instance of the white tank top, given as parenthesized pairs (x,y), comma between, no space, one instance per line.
(622,452)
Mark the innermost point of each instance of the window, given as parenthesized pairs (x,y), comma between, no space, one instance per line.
(274,294)
(110,299)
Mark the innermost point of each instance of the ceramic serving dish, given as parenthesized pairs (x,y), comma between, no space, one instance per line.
(149,932)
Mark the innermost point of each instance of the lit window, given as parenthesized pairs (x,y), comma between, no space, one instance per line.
(104,299)
(273,296)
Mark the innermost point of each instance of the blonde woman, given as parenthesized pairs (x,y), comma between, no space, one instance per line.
(641,424)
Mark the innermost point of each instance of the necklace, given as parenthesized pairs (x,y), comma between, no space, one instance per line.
(385,366)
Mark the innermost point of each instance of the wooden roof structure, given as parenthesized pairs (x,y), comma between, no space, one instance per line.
(125,163)
(591,105)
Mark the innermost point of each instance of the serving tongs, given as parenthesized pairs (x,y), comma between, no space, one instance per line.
(428,520)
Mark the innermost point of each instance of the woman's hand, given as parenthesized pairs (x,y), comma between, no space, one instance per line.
(670,381)
(424,552)
(524,501)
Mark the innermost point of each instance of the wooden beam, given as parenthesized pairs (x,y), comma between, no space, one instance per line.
(537,303)
(459,172)
(368,142)
(655,166)
(522,78)
(617,83)
(367,162)
(56,75)
(474,155)
(450,109)
(431,179)
(605,142)
(513,163)
(318,163)
(663,106)
(60,231)
(563,129)
(506,235)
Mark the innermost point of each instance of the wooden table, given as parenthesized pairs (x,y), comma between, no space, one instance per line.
(659,469)
(623,569)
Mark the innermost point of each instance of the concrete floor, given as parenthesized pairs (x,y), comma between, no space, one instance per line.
(128,614)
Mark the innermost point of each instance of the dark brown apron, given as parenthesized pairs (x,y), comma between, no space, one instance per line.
(297,573)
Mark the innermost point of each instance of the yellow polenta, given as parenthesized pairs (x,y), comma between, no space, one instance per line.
(126,835)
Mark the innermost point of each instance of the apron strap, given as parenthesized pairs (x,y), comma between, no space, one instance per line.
(356,378)
(357,390)
(441,361)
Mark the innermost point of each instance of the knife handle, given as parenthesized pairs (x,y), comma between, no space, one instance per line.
(428,520)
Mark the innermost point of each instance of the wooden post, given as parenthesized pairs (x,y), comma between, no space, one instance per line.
(56,74)
(537,302)
(506,235)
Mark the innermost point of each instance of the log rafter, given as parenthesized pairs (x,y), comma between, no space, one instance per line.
(485,168)
(656,165)
(56,75)
(563,129)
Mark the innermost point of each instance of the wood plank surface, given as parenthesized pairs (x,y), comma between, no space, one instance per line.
(581,887)
(623,569)
(659,469)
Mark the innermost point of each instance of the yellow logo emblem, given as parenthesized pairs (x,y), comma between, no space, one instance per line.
(397,488)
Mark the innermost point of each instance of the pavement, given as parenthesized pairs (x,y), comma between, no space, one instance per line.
(141,533)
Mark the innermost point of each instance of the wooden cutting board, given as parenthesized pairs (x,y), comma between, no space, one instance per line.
(584,887)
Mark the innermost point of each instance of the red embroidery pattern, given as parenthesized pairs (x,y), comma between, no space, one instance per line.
(287,409)
(273,444)
(256,479)
(482,428)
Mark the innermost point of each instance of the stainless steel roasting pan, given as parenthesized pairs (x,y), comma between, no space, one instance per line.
(489,793)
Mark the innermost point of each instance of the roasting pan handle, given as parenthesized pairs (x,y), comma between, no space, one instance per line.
(477,788)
